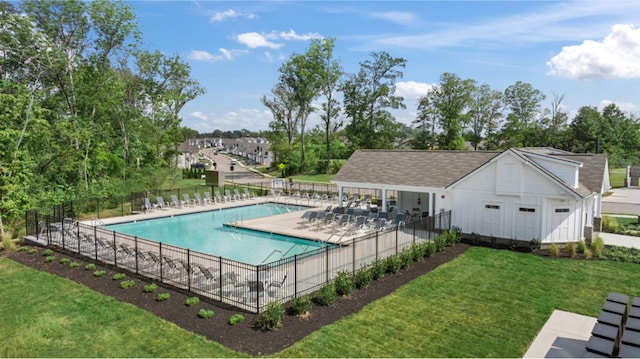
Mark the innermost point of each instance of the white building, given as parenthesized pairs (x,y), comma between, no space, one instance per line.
(523,194)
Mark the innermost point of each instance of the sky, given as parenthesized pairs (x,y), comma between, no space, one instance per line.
(587,51)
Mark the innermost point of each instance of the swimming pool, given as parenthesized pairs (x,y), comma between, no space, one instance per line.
(205,232)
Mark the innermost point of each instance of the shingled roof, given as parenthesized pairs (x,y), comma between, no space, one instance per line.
(436,169)
(439,169)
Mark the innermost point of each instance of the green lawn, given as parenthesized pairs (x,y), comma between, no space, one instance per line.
(616,177)
(486,303)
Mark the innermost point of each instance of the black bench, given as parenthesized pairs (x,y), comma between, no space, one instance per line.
(605,331)
(615,307)
(635,302)
(602,346)
(618,298)
(633,324)
(628,351)
(634,312)
(631,337)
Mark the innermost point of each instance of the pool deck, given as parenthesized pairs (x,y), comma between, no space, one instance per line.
(287,224)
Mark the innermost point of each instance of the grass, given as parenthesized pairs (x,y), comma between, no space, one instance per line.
(319,178)
(48,316)
(486,303)
(616,177)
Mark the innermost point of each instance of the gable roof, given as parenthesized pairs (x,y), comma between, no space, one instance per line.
(440,169)
(436,169)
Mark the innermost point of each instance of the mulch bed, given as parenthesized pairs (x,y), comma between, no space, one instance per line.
(243,337)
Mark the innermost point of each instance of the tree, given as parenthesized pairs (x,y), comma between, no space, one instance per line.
(366,98)
(485,112)
(321,51)
(522,125)
(451,99)
(426,122)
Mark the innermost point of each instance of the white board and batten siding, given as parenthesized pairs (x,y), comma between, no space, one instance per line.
(509,199)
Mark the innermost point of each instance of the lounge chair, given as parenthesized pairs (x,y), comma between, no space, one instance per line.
(147,206)
(161,202)
(238,194)
(208,197)
(175,202)
(200,200)
(220,198)
(306,218)
(187,200)
(248,194)
(228,195)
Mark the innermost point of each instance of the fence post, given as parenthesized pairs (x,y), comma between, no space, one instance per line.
(135,246)
(353,259)
(188,269)
(326,251)
(397,240)
(377,238)
(295,275)
(115,251)
(220,275)
(160,259)
(257,289)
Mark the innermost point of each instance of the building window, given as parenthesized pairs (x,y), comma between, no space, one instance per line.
(526,209)
(562,210)
(491,206)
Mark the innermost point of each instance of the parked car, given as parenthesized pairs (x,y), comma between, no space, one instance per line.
(233,162)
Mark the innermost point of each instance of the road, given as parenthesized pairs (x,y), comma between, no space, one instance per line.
(624,200)
(240,173)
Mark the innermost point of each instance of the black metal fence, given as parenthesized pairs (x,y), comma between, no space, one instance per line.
(246,286)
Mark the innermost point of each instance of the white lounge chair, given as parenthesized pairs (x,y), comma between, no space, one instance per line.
(220,198)
(161,202)
(208,197)
(187,200)
(228,195)
(175,202)
(147,206)
(248,194)
(238,195)
(199,199)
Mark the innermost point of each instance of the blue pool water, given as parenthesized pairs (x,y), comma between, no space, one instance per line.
(204,232)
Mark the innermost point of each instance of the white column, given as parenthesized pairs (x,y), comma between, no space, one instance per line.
(384,200)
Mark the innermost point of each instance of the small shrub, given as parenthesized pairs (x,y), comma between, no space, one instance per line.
(47,252)
(344,283)
(392,264)
(150,288)
(203,313)
(440,242)
(272,317)
(64,260)
(597,246)
(570,248)
(236,319)
(534,244)
(74,264)
(33,251)
(7,243)
(588,254)
(99,273)
(162,296)
(378,268)
(49,258)
(191,301)
(119,276)
(581,246)
(301,304)
(362,278)
(23,249)
(326,295)
(417,252)
(430,249)
(406,258)
(127,284)
(554,250)
(612,225)
(90,266)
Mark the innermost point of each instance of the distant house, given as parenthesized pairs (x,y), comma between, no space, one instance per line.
(188,155)
(526,193)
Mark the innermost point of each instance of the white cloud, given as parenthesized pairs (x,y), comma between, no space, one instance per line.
(291,35)
(399,17)
(251,119)
(229,14)
(616,56)
(199,115)
(205,56)
(254,40)
(626,107)
(412,90)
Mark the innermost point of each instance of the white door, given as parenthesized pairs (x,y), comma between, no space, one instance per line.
(492,223)
(560,224)
(526,219)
